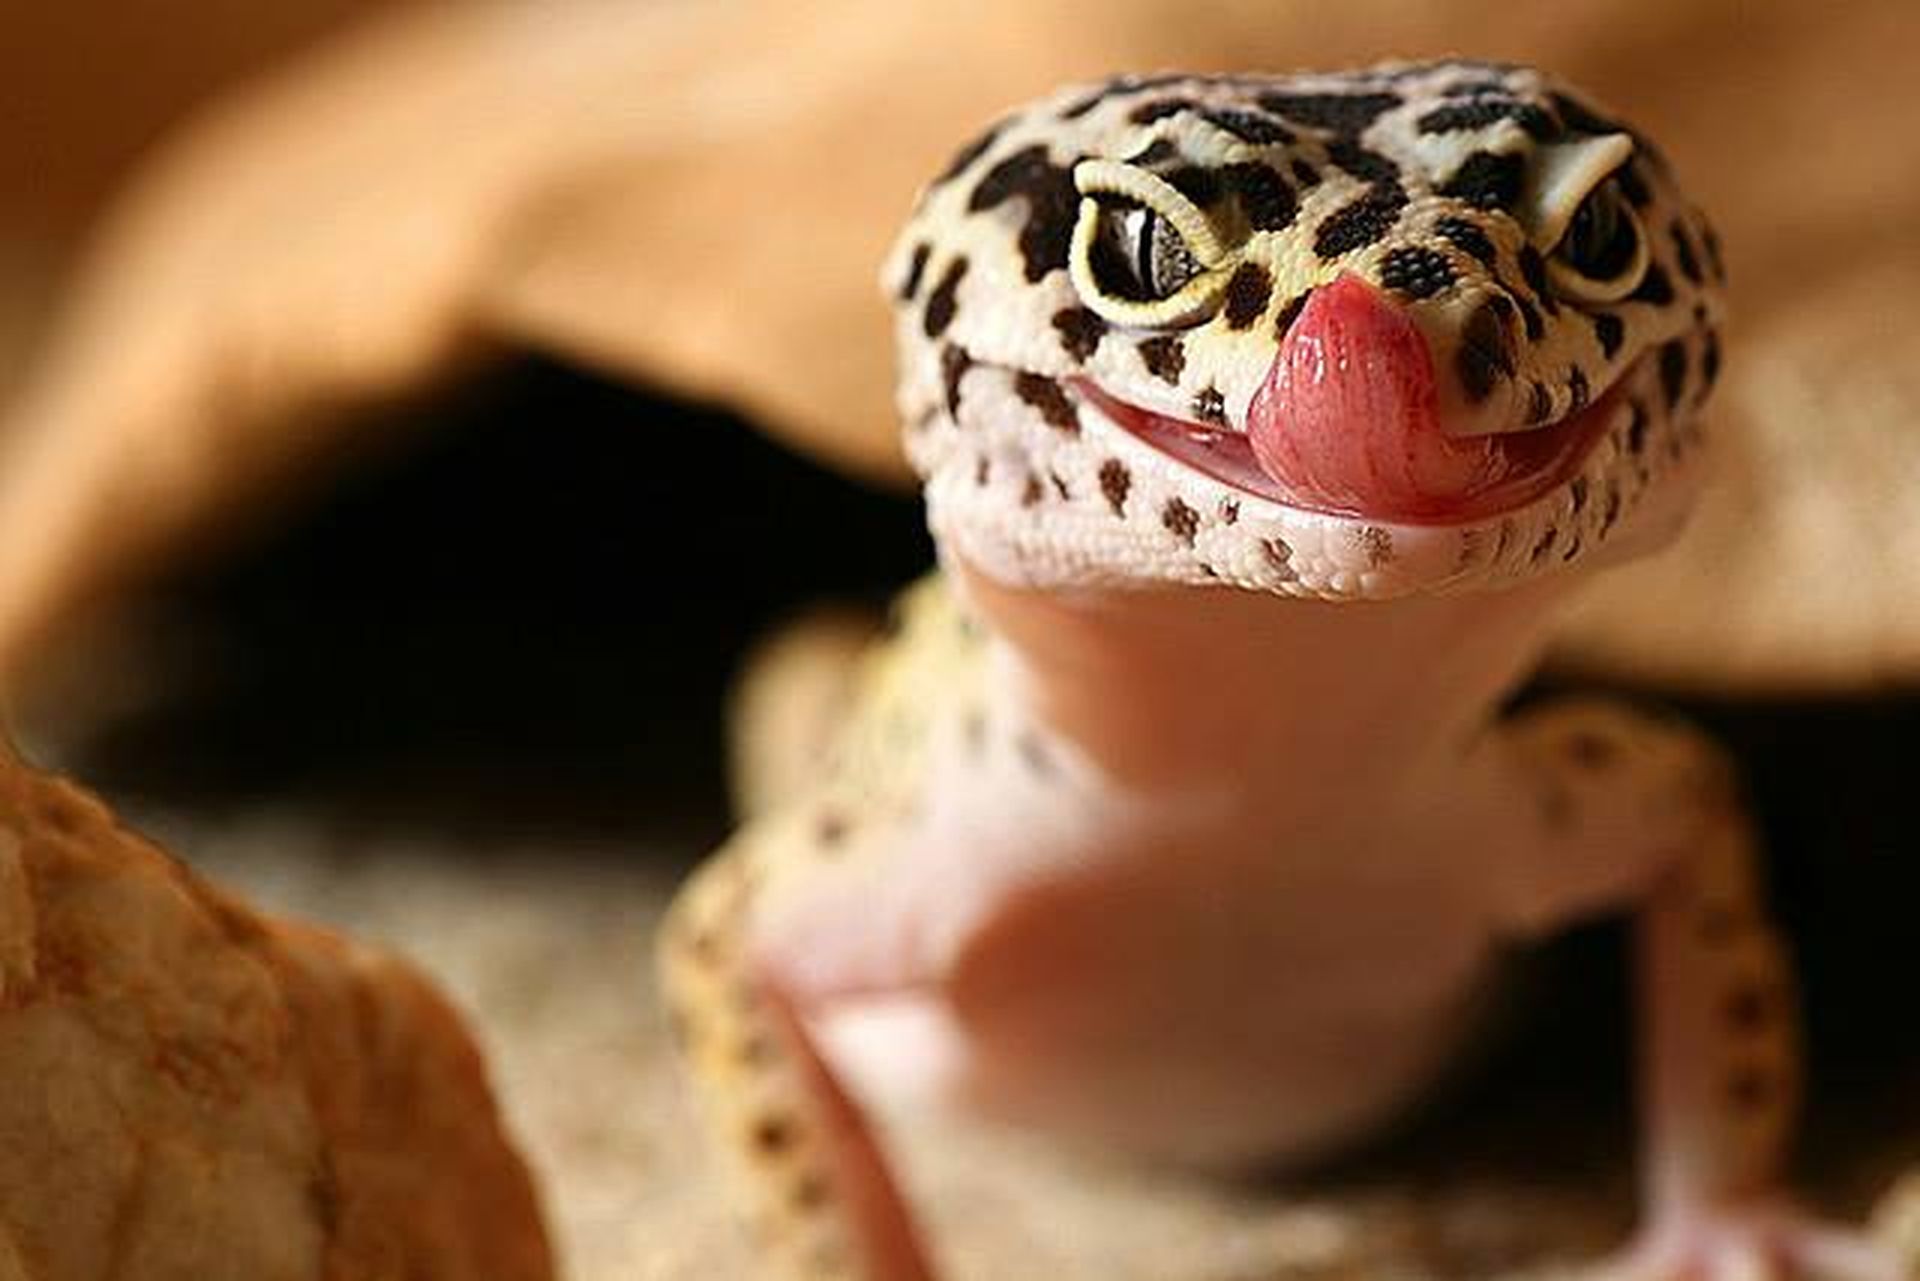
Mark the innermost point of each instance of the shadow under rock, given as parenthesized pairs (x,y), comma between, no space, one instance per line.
(524,620)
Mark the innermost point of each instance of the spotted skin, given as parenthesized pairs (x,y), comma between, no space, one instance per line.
(1130,682)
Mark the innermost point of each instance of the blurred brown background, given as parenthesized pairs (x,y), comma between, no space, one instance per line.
(87,89)
(478,313)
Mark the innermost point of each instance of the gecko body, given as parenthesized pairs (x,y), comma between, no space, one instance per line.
(1265,422)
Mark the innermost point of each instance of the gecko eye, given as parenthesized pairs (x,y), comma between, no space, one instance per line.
(1143,254)
(1602,255)
(1137,255)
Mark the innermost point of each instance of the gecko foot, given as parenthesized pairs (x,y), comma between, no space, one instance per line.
(1768,1243)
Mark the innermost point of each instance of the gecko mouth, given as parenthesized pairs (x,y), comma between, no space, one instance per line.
(1504,471)
(1348,421)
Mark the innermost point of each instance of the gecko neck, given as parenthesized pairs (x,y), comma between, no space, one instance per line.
(1186,687)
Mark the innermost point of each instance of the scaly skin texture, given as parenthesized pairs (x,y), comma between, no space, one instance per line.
(1264,424)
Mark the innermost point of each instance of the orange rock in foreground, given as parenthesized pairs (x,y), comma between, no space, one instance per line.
(191,1090)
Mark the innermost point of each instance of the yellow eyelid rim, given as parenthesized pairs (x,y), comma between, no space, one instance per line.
(1571,284)
(1186,304)
(1115,178)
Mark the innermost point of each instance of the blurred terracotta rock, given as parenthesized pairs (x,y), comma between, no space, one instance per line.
(190,1091)
(68,144)
(698,195)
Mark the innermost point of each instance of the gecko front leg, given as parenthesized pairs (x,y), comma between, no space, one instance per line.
(1720,1051)
(810,1175)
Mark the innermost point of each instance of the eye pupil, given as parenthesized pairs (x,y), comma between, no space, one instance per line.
(1138,256)
(1599,243)
(1145,229)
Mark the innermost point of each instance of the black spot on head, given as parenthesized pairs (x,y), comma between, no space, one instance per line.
(1033,493)
(1534,269)
(1529,316)
(1080,332)
(1632,185)
(1709,361)
(1180,520)
(1249,290)
(1416,271)
(1209,406)
(1467,236)
(1248,126)
(1539,403)
(964,158)
(1637,428)
(955,361)
(1655,288)
(1229,511)
(1159,109)
(1304,174)
(1342,113)
(1579,391)
(1264,196)
(1368,166)
(1683,255)
(1673,371)
(1196,182)
(1360,222)
(916,268)
(1117,87)
(1115,482)
(1486,352)
(944,303)
(1045,395)
(1578,117)
(1289,312)
(1164,356)
(1611,331)
(1487,180)
(1052,204)
(1482,112)
(982,471)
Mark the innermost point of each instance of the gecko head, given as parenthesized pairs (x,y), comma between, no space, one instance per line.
(1413,328)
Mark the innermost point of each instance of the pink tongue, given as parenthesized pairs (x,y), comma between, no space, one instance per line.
(1346,420)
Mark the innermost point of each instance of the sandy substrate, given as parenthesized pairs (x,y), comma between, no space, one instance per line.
(547,948)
